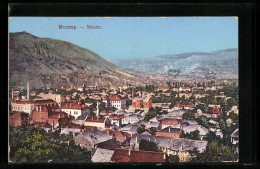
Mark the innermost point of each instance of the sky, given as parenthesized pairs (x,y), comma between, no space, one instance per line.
(136,37)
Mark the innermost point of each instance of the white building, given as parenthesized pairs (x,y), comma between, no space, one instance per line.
(75,109)
(115,101)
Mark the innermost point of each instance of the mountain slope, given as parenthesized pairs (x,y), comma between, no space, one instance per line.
(221,64)
(53,63)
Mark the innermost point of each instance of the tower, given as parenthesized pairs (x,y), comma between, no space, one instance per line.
(28,91)
(97,109)
(96,86)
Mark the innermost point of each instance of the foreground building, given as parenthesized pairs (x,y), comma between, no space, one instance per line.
(128,155)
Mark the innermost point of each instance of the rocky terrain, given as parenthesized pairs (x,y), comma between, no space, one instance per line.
(221,64)
(53,63)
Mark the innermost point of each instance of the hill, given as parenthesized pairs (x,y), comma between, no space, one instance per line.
(54,63)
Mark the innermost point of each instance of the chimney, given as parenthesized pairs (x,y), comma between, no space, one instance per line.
(129,151)
(28,91)
(40,108)
(37,108)
(164,156)
(169,129)
(136,141)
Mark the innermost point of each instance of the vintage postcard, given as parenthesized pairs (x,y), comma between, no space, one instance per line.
(123,89)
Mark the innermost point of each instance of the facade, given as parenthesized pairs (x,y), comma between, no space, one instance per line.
(115,101)
(74,108)
(98,122)
(16,119)
(169,122)
(143,103)
(116,119)
(56,97)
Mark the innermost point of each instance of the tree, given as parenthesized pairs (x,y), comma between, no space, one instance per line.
(148,145)
(194,135)
(34,145)
(141,129)
(64,122)
(102,106)
(188,115)
(233,116)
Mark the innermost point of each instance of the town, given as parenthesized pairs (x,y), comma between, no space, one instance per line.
(187,121)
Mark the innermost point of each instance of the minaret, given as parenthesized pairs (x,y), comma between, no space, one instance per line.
(97,109)
(96,86)
(28,91)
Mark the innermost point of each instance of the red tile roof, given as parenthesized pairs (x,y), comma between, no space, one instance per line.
(125,155)
(116,117)
(171,121)
(116,98)
(72,105)
(106,111)
(215,110)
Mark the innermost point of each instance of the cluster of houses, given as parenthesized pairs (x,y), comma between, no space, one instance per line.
(112,134)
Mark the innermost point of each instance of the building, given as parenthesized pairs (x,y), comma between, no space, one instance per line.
(98,122)
(90,139)
(170,132)
(172,146)
(40,114)
(116,119)
(106,112)
(143,103)
(115,101)
(17,119)
(184,89)
(28,106)
(75,109)
(58,98)
(169,122)
(128,155)
(102,155)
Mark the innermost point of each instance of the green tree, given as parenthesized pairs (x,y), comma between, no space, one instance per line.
(148,145)
(64,122)
(194,135)
(141,129)
(188,115)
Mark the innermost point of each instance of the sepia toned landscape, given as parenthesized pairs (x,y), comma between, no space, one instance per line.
(136,94)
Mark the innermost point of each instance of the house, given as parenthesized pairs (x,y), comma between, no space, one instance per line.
(168,122)
(149,124)
(54,118)
(184,89)
(143,103)
(172,146)
(118,135)
(72,128)
(90,139)
(40,114)
(219,95)
(22,106)
(162,89)
(235,137)
(132,118)
(215,110)
(193,127)
(102,155)
(81,119)
(200,95)
(186,95)
(128,155)
(75,109)
(16,119)
(58,98)
(170,132)
(45,125)
(115,101)
(130,128)
(98,122)
(218,132)
(116,119)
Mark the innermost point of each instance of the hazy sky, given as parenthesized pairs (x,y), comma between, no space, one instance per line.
(133,37)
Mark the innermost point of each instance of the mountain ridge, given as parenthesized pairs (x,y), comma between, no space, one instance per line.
(46,62)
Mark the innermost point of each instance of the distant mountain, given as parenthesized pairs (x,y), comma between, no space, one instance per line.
(222,64)
(54,63)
